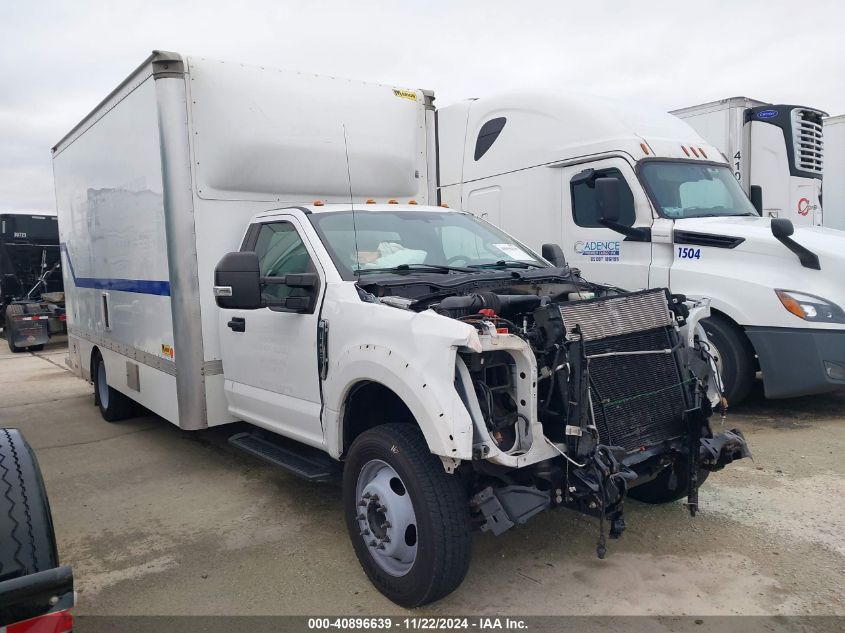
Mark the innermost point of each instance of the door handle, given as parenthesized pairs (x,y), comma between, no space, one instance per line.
(237,324)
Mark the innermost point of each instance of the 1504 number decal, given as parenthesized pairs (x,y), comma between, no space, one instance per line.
(685,252)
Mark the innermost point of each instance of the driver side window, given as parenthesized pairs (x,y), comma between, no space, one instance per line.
(281,252)
(585,205)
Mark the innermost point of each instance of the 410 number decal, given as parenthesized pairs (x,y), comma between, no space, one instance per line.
(685,252)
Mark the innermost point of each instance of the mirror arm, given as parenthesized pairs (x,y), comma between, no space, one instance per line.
(631,233)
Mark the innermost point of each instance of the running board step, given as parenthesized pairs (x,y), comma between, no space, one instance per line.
(303,461)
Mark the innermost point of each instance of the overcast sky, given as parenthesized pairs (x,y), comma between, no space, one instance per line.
(59,59)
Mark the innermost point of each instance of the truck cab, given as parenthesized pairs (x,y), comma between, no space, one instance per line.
(537,164)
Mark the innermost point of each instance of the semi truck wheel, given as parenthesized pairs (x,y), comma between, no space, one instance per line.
(114,406)
(664,488)
(27,540)
(407,518)
(734,357)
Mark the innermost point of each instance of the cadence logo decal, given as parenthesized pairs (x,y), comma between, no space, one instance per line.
(804,206)
(599,251)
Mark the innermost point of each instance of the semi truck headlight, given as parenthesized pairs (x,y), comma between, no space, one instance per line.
(810,307)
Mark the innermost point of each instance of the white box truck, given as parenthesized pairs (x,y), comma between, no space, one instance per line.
(539,166)
(833,192)
(775,152)
(234,251)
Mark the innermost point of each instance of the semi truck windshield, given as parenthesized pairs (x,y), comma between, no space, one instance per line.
(681,189)
(422,241)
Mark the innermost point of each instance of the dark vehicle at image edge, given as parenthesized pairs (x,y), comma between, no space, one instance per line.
(36,592)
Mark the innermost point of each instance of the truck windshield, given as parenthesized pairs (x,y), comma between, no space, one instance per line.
(418,242)
(682,189)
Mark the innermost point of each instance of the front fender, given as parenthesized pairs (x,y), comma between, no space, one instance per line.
(428,392)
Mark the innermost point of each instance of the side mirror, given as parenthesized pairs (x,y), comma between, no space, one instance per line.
(236,281)
(782,228)
(608,195)
(554,254)
(755,194)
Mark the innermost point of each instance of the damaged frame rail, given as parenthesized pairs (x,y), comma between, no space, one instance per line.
(589,402)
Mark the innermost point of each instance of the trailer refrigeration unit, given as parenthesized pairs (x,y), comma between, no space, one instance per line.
(640,200)
(234,250)
(775,152)
(834,184)
(31,295)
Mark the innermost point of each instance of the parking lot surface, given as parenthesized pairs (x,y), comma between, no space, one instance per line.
(160,521)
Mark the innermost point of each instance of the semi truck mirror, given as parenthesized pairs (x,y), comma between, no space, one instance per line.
(755,194)
(607,195)
(237,281)
(782,228)
(554,253)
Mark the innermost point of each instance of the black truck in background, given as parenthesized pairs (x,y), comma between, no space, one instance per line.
(32,302)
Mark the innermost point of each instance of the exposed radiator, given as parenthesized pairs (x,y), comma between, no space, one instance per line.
(638,399)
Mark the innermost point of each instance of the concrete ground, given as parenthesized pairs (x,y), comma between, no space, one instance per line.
(155,520)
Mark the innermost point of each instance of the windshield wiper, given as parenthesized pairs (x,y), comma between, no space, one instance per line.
(405,268)
(509,264)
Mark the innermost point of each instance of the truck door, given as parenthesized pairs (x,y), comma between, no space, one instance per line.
(270,354)
(603,255)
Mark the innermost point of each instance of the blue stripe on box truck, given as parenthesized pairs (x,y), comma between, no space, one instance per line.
(141,286)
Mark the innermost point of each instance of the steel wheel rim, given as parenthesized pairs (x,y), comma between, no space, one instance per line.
(102,385)
(386,519)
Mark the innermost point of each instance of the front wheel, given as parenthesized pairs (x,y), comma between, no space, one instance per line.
(734,357)
(671,484)
(407,518)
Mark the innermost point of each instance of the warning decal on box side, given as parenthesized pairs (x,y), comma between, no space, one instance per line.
(405,94)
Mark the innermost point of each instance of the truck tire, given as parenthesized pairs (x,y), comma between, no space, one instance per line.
(27,540)
(407,518)
(735,357)
(114,406)
(659,489)
(11,311)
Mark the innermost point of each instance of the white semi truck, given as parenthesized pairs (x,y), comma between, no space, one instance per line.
(776,152)
(639,200)
(834,183)
(233,250)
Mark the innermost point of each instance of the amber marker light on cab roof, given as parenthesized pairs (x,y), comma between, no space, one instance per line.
(686,151)
(318,203)
(444,205)
(392,201)
(702,152)
(644,148)
(412,201)
(370,201)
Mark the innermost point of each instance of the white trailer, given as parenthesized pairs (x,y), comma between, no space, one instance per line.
(775,152)
(234,250)
(537,164)
(834,183)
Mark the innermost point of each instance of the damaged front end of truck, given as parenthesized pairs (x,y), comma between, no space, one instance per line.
(582,403)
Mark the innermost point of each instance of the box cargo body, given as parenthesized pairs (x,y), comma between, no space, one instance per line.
(161,179)
(775,147)
(834,182)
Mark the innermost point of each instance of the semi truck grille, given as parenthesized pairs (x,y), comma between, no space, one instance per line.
(808,139)
(638,399)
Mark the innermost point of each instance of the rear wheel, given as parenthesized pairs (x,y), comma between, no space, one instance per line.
(114,406)
(407,518)
(670,485)
(26,526)
(734,357)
